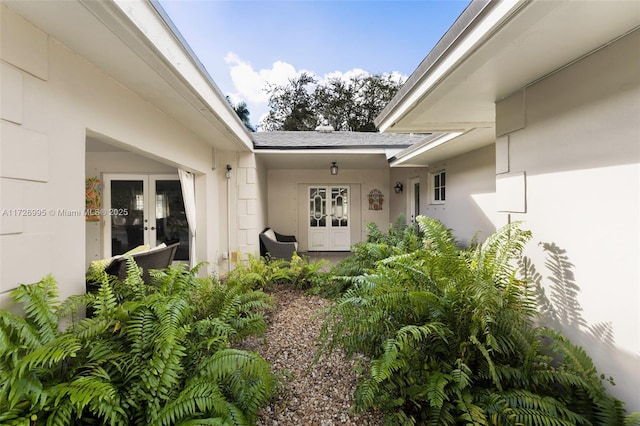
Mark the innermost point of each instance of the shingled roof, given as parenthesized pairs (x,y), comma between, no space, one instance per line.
(331,139)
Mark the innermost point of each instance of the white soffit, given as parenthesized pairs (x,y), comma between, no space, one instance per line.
(510,47)
(444,145)
(322,158)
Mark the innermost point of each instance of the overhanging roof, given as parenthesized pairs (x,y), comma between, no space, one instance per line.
(332,139)
(317,150)
(136,44)
(493,50)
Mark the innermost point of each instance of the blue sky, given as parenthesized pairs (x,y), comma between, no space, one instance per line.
(246,44)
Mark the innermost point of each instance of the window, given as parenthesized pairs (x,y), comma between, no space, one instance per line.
(439,183)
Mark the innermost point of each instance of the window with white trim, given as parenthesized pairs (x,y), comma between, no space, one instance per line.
(439,187)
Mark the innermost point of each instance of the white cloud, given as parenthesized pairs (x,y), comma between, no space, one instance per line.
(347,75)
(250,84)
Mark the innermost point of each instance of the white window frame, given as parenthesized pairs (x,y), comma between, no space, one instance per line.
(436,190)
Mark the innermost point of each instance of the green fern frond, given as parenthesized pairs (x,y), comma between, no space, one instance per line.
(436,383)
(49,354)
(365,394)
(40,302)
(201,399)
(389,362)
(133,281)
(17,334)
(217,421)
(524,407)
(89,393)
(632,419)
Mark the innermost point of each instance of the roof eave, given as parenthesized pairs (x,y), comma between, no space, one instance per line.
(476,22)
(184,65)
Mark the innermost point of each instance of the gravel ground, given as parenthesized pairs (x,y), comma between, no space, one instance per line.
(319,394)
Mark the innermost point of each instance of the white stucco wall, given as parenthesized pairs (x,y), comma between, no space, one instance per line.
(288,202)
(577,150)
(51,99)
(399,203)
(469,209)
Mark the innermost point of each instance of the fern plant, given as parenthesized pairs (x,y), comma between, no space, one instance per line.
(451,340)
(400,239)
(149,355)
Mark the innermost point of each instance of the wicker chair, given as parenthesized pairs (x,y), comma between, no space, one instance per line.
(156,258)
(277,246)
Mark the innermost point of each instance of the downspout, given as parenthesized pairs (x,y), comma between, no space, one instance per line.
(228,175)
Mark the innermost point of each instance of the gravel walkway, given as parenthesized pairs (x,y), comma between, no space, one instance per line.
(319,394)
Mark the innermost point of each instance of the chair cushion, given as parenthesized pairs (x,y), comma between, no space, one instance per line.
(101,264)
(269,233)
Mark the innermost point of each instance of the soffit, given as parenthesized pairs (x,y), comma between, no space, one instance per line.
(537,40)
(101,32)
(322,159)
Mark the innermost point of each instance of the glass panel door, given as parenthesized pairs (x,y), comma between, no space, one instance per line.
(339,207)
(333,234)
(317,207)
(126,224)
(148,209)
(170,217)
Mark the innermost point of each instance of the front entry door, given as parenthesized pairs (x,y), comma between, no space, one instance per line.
(144,209)
(329,218)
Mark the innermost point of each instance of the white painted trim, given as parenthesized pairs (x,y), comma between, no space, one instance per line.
(398,162)
(467,45)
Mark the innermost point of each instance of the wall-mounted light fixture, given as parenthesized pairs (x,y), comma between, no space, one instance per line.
(398,188)
(228,173)
(333,168)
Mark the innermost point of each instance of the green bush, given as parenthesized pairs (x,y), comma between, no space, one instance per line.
(297,272)
(451,340)
(149,355)
(400,239)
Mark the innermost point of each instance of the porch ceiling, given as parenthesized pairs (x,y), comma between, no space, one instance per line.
(476,64)
(322,159)
(147,57)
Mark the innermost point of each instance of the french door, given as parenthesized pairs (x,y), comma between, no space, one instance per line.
(144,209)
(329,223)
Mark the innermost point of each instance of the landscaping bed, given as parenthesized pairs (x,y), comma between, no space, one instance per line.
(317,394)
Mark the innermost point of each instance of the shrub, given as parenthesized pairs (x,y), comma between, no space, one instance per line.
(400,239)
(451,340)
(260,272)
(149,355)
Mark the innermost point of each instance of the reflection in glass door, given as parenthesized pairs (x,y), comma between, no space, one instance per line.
(170,217)
(147,209)
(126,224)
(414,200)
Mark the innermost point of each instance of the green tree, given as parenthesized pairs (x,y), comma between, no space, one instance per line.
(242,111)
(291,105)
(346,104)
